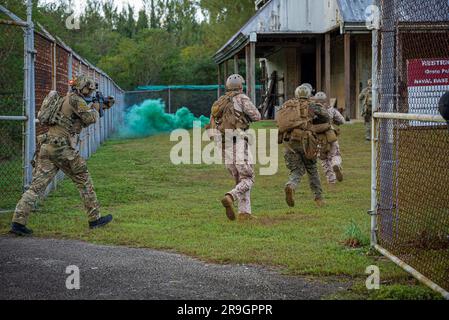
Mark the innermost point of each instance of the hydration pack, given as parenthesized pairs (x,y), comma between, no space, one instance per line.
(50,109)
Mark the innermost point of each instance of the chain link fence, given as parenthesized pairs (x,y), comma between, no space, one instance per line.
(198,99)
(48,65)
(411,224)
(11,105)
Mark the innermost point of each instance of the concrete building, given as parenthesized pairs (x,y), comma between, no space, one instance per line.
(322,42)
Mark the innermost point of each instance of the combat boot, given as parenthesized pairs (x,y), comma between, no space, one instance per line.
(245,217)
(290,196)
(228,203)
(103,221)
(20,230)
(319,202)
(338,173)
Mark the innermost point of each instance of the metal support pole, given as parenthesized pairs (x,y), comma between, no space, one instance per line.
(30,126)
(419,276)
(374,141)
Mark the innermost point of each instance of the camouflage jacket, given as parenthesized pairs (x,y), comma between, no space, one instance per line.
(81,114)
(242,103)
(336,116)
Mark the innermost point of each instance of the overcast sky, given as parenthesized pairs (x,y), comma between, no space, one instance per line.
(79,4)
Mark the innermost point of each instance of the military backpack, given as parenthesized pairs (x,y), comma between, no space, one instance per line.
(225,115)
(50,109)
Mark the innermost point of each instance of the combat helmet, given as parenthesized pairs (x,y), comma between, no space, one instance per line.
(444,107)
(303,92)
(82,81)
(308,85)
(235,82)
(321,96)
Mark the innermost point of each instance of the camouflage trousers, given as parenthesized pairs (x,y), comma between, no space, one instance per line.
(368,123)
(331,159)
(50,160)
(244,176)
(299,165)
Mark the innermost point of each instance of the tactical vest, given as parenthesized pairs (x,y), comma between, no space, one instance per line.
(225,115)
(50,112)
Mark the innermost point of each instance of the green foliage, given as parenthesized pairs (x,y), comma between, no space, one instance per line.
(354,236)
(404,292)
(168,42)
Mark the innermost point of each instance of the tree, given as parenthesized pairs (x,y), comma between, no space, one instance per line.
(142,22)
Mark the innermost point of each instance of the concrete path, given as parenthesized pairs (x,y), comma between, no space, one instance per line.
(33,268)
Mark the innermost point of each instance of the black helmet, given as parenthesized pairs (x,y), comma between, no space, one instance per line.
(444,107)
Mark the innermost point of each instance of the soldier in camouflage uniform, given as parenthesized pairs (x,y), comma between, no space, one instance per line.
(241,171)
(58,152)
(295,157)
(365,99)
(331,161)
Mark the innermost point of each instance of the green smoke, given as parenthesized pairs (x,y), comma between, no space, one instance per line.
(150,118)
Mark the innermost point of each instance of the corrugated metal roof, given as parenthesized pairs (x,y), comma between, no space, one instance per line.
(354,10)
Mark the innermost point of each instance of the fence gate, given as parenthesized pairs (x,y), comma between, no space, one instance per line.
(410,222)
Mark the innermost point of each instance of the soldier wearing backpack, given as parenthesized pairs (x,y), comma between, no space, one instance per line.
(232,115)
(297,120)
(366,103)
(65,117)
(330,154)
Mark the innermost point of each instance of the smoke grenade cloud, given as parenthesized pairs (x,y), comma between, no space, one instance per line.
(150,118)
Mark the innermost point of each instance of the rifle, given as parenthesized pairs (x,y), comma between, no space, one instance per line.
(105,103)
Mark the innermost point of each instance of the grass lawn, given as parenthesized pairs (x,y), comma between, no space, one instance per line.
(161,206)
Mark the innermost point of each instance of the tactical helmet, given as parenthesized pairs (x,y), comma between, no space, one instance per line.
(303,92)
(235,82)
(308,85)
(84,81)
(320,96)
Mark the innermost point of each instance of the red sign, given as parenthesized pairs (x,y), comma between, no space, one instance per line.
(428,72)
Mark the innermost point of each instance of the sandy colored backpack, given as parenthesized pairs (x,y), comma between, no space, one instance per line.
(294,114)
(225,115)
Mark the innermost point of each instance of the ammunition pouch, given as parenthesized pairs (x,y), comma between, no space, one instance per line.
(321,128)
(57,141)
(331,136)
(310,145)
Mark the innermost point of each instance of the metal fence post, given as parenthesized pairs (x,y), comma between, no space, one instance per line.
(373,211)
(30,125)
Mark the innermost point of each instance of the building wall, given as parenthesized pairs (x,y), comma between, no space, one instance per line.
(363,63)
(337,71)
(287,63)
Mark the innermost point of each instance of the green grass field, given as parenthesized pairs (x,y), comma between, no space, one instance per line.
(161,206)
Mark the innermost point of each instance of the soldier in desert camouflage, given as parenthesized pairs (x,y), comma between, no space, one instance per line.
(331,160)
(231,117)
